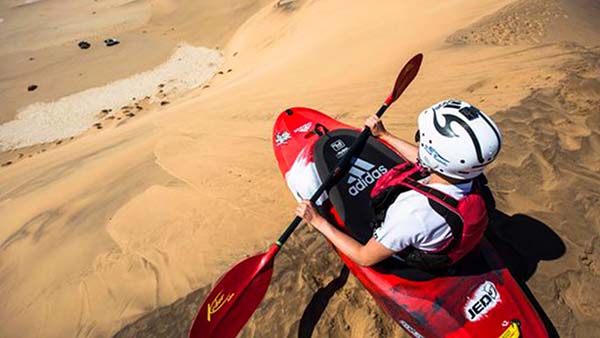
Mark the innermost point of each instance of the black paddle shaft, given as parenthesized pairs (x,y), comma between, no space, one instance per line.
(407,74)
(334,177)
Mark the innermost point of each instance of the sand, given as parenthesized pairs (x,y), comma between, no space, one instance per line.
(122,231)
(39,42)
(188,68)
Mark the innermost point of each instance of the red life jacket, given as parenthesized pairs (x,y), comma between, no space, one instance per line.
(467,217)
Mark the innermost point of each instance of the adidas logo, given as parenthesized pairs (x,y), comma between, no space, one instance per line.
(362,175)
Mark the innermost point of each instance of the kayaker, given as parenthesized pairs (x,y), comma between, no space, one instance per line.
(434,224)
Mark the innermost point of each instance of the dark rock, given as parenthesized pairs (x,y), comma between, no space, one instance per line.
(111,42)
(84,44)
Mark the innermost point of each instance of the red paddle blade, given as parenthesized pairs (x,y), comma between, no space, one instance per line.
(234,298)
(407,74)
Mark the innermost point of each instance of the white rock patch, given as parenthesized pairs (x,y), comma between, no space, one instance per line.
(187,68)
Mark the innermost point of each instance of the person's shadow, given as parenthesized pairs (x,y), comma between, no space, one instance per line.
(521,241)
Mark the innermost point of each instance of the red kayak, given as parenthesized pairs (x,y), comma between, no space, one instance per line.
(478,297)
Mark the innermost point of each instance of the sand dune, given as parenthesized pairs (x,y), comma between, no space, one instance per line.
(126,228)
(551,138)
(39,42)
(321,296)
(535,21)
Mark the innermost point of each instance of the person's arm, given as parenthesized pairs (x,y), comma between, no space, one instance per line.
(408,150)
(366,255)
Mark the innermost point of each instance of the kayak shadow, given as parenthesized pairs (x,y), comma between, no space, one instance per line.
(318,304)
(522,242)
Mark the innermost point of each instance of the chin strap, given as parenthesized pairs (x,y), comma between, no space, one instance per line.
(423,168)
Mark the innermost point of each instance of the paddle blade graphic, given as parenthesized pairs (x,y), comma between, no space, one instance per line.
(234,298)
(406,76)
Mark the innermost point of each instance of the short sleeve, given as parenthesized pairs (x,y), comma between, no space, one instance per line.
(399,229)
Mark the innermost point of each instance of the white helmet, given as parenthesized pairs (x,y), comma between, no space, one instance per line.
(456,139)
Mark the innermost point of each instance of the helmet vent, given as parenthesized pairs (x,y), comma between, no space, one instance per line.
(470,112)
(452,104)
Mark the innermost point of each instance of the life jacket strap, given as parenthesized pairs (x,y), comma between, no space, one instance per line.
(406,177)
(444,205)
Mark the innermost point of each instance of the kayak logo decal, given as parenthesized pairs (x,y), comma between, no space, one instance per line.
(436,156)
(303,128)
(484,299)
(410,329)
(217,303)
(339,147)
(282,138)
(362,174)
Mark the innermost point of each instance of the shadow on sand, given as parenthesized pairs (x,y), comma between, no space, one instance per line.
(520,240)
(318,303)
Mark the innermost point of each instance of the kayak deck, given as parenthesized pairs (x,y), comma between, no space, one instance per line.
(476,298)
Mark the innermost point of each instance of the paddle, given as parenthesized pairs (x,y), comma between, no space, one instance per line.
(238,293)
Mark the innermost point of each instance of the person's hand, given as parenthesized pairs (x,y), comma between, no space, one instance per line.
(307,211)
(376,126)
